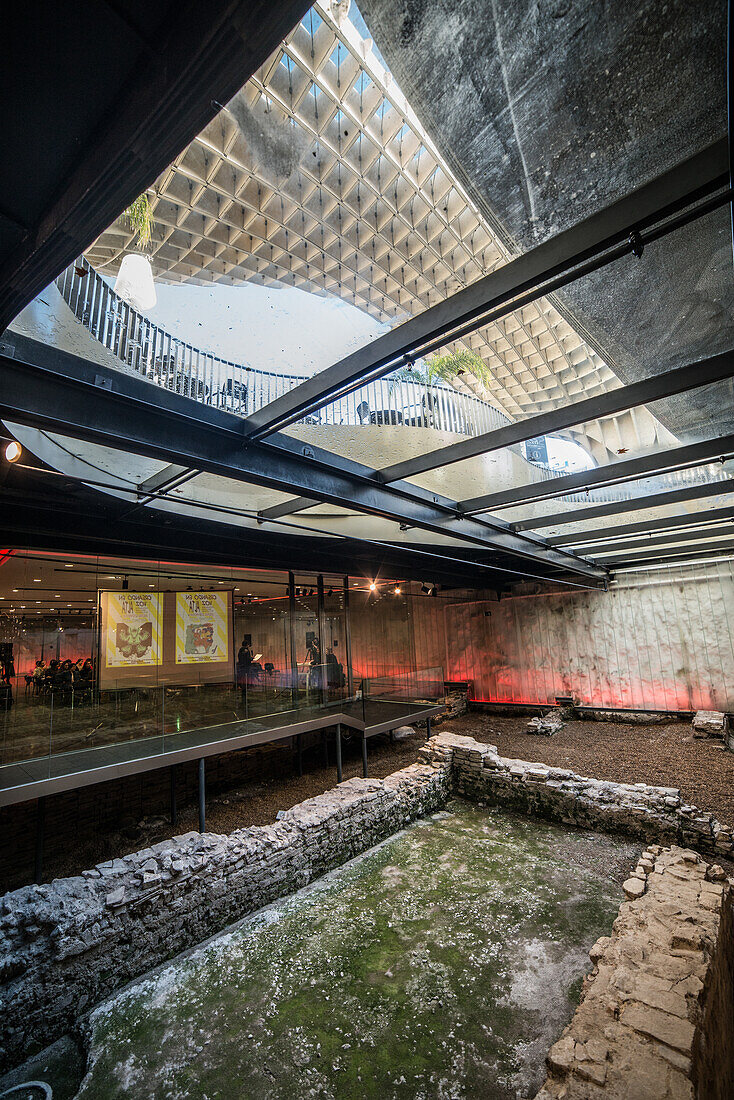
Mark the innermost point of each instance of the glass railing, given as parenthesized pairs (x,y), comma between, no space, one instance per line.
(76,727)
(422,685)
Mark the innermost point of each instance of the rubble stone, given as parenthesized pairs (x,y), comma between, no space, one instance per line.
(710,723)
(653,814)
(547,724)
(86,936)
(647,1023)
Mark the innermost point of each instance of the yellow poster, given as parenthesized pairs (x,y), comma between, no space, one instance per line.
(133,635)
(201,627)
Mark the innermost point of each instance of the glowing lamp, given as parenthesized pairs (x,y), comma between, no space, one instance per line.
(373,586)
(13,451)
(134,282)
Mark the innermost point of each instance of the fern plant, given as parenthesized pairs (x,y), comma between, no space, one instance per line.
(139,216)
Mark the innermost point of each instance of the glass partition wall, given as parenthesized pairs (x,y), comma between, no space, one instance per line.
(101,653)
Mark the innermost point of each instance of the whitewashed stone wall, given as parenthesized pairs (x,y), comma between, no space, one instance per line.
(658,640)
(65,946)
(656,814)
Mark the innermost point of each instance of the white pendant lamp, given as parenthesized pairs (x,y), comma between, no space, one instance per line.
(134,282)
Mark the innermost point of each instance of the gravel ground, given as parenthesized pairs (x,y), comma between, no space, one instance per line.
(664,754)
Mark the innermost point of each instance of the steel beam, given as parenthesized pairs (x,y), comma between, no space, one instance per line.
(652,541)
(656,500)
(716,369)
(669,193)
(288,508)
(677,458)
(95,403)
(697,550)
(690,519)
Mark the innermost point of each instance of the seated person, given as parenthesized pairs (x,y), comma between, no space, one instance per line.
(86,672)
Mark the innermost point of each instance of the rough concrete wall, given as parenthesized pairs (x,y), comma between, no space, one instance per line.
(549,110)
(382,634)
(65,946)
(657,640)
(649,1021)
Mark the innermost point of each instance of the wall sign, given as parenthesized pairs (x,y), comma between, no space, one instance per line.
(202,634)
(133,634)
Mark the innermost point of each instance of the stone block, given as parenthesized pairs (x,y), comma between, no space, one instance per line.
(710,723)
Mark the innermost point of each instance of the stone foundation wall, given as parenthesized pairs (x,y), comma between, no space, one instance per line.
(656,814)
(655,1019)
(121,803)
(67,945)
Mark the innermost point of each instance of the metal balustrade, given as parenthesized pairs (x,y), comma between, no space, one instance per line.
(150,351)
(175,365)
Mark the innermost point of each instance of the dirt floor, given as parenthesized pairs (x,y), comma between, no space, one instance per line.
(664,754)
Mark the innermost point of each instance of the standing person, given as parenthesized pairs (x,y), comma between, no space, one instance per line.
(244,663)
(313,659)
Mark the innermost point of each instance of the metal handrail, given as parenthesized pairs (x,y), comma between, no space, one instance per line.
(148,350)
(174,364)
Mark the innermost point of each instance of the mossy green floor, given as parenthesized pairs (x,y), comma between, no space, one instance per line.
(442,964)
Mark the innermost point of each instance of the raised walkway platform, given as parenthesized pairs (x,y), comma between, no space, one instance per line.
(66,771)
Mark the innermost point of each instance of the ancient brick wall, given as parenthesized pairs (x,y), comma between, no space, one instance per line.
(66,945)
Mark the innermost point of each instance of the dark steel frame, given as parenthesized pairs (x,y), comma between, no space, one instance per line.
(605,236)
(615,508)
(687,521)
(56,391)
(677,458)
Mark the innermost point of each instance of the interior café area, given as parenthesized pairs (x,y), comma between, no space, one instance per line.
(101,651)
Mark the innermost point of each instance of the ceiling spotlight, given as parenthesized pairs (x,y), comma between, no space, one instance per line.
(373,586)
(398,590)
(13,451)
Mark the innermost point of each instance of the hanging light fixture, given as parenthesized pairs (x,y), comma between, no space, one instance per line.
(134,282)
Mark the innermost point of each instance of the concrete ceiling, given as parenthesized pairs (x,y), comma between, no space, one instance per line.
(547,110)
(320,174)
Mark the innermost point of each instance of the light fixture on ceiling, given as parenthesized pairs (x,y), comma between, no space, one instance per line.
(134,282)
(13,451)
(398,589)
(373,586)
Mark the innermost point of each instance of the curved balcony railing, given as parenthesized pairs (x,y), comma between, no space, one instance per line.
(157,355)
(175,365)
